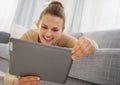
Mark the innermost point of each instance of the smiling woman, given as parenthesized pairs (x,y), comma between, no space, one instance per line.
(50,29)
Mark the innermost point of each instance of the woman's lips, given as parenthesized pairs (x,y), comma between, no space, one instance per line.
(48,40)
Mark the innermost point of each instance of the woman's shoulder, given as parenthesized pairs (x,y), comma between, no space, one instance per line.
(64,34)
(67,40)
(31,34)
(67,36)
(32,31)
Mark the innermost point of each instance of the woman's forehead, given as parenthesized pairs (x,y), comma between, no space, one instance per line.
(51,20)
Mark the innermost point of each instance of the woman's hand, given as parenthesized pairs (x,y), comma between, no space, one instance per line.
(83,47)
(28,80)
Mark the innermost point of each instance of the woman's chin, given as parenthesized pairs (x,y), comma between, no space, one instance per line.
(47,42)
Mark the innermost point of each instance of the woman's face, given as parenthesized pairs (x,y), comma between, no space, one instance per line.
(50,29)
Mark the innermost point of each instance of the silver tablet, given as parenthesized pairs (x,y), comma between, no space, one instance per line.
(50,63)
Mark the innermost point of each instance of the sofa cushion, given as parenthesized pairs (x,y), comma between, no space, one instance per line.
(101,67)
(4,51)
(4,64)
(4,37)
(70,81)
(4,57)
(1,78)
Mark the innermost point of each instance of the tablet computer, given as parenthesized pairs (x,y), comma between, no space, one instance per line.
(50,63)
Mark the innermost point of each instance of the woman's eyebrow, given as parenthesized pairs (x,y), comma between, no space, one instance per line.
(44,24)
(47,26)
(55,27)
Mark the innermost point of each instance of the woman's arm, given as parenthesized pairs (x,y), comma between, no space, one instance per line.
(8,79)
(27,80)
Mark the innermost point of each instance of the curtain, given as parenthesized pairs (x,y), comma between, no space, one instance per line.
(76,16)
(73,9)
(28,11)
(7,12)
(100,15)
(92,15)
(81,15)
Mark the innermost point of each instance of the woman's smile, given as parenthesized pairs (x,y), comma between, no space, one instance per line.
(48,39)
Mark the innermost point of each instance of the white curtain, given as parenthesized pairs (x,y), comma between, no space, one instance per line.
(73,9)
(92,15)
(81,15)
(7,12)
(28,11)
(100,15)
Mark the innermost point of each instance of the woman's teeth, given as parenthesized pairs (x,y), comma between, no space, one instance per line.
(48,39)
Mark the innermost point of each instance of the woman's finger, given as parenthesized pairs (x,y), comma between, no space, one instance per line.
(77,46)
(30,78)
(31,83)
(83,47)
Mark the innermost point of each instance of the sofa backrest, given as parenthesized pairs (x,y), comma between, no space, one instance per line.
(105,39)
(4,37)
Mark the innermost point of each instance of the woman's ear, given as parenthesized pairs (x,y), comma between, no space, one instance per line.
(36,24)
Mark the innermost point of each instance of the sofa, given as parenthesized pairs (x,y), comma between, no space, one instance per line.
(102,67)
(4,54)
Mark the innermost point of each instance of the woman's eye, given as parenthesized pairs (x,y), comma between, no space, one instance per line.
(44,27)
(55,30)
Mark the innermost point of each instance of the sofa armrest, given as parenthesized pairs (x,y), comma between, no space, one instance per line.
(4,57)
(4,37)
(100,67)
(4,51)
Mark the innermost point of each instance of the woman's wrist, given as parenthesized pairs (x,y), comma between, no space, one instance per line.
(15,82)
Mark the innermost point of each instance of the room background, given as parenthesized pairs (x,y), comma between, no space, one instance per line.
(81,15)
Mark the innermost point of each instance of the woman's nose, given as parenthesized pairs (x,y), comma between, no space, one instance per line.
(48,33)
